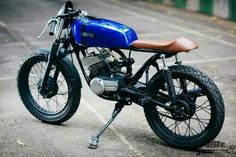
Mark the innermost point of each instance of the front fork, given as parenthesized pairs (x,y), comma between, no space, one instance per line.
(51,59)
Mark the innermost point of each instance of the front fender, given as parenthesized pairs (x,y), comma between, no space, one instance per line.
(67,63)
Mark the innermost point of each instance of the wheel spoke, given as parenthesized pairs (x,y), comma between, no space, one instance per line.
(202,104)
(176,123)
(163,114)
(48,105)
(178,86)
(61,82)
(186,129)
(178,82)
(201,119)
(40,70)
(43,67)
(166,117)
(35,68)
(35,79)
(57,105)
(178,128)
(171,125)
(188,83)
(203,107)
(206,111)
(191,128)
(199,122)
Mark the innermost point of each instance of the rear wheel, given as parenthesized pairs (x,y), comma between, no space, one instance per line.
(198,112)
(62,97)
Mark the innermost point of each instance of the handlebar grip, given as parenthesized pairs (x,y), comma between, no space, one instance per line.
(52,28)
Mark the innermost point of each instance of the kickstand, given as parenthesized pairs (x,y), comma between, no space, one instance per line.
(93,144)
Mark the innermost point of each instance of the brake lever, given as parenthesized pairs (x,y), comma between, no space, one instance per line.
(40,35)
(70,14)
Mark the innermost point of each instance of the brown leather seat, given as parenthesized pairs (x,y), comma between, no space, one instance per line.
(178,45)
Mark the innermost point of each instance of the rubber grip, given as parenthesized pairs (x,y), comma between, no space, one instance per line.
(52,28)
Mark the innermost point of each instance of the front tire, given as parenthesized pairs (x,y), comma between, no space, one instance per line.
(206,120)
(64,101)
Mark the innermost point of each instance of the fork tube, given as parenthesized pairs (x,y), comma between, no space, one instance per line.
(59,30)
(51,59)
(56,74)
(52,56)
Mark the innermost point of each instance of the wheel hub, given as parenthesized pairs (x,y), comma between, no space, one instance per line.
(51,88)
(183,109)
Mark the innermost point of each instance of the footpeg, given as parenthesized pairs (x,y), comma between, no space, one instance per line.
(93,144)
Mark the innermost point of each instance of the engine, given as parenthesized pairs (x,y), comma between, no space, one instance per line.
(103,70)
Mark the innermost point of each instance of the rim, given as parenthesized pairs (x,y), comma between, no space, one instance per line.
(198,122)
(55,104)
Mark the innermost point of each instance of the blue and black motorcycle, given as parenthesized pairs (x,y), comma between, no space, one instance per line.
(181,104)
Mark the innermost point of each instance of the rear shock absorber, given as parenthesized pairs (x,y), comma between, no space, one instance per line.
(168,79)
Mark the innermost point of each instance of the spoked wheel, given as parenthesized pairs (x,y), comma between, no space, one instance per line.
(198,113)
(61,98)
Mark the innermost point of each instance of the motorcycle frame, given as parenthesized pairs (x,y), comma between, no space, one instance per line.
(130,79)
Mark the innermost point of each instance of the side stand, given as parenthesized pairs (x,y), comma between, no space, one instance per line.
(93,144)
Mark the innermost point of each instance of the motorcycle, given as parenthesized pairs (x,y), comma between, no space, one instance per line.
(182,105)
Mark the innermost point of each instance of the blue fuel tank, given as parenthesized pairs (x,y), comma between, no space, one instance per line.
(99,32)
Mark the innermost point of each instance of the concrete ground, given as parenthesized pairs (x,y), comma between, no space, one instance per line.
(23,135)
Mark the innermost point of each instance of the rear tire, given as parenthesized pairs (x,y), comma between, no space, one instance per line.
(59,107)
(205,130)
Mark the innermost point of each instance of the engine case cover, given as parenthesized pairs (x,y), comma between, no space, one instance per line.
(100,84)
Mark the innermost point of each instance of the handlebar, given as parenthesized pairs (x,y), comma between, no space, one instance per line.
(53,20)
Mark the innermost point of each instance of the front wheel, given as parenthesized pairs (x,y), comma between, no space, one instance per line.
(198,113)
(63,94)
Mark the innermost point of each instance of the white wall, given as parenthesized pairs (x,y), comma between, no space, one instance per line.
(220,8)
